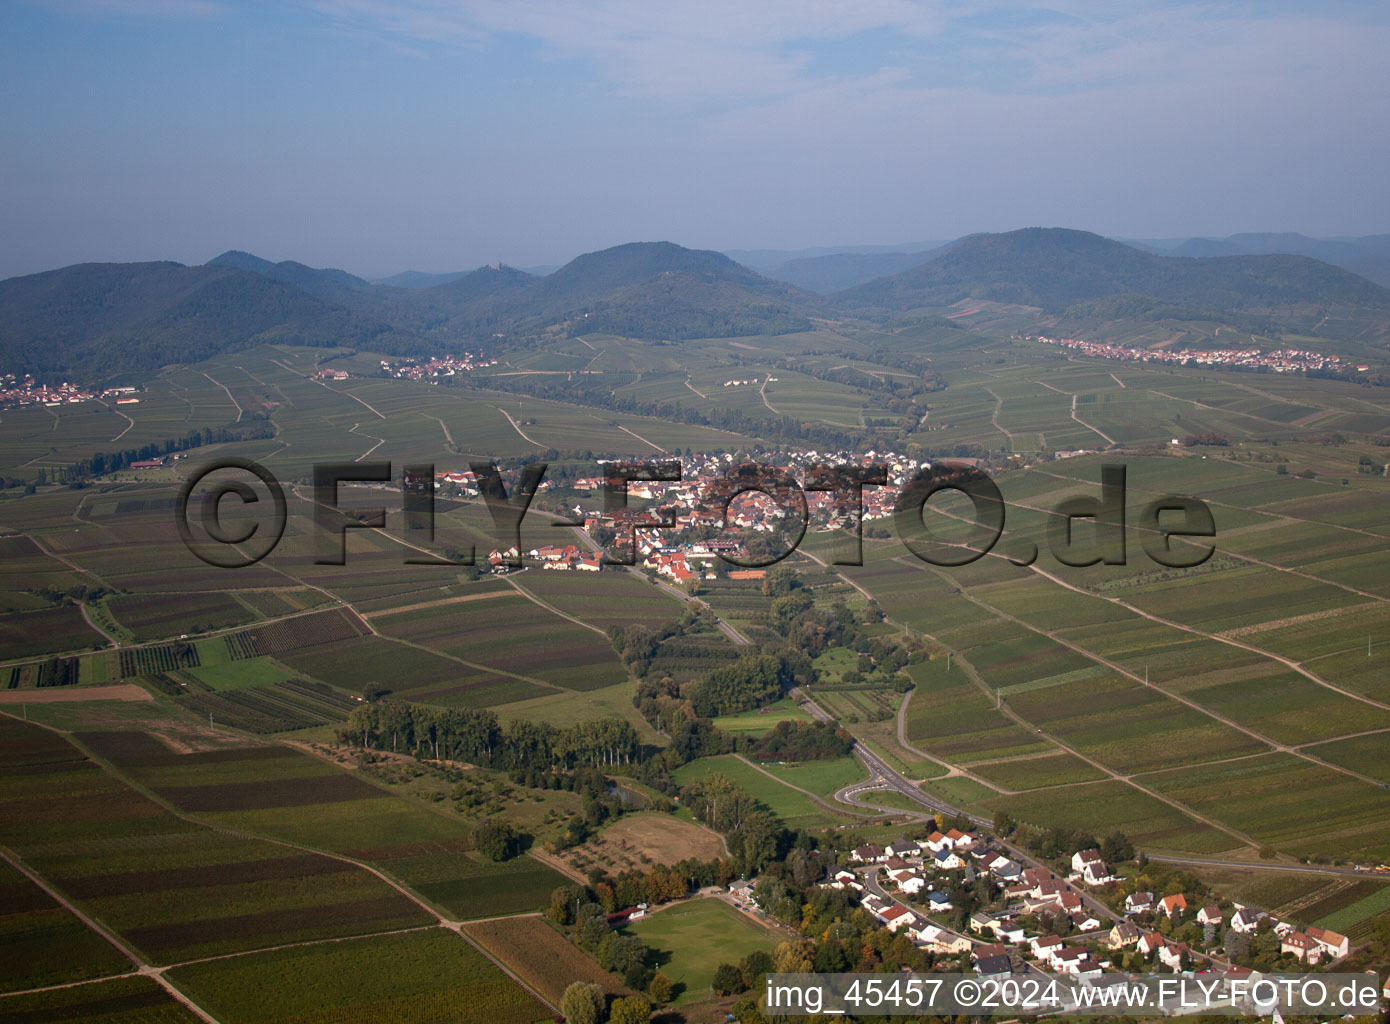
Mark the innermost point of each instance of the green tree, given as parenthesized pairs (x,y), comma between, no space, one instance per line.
(629,1010)
(661,988)
(496,840)
(728,980)
(582,1003)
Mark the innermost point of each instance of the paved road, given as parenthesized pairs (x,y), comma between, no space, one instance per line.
(880,769)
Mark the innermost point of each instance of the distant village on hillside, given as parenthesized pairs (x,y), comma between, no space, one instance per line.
(1280,360)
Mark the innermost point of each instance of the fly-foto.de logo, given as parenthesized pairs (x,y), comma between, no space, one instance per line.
(1082,530)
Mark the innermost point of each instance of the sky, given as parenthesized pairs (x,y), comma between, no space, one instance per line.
(438,135)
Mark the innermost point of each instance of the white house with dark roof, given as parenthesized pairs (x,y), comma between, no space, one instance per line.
(1139,902)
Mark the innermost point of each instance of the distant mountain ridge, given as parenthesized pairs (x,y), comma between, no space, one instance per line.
(1368,256)
(838,271)
(1054,268)
(110,317)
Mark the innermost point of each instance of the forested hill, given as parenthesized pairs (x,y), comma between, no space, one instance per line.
(106,318)
(1054,268)
(103,318)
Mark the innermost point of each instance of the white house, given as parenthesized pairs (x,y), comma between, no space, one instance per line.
(1332,943)
(960,840)
(1170,954)
(1139,902)
(1081,858)
(1246,920)
(946,860)
(1210,914)
(896,917)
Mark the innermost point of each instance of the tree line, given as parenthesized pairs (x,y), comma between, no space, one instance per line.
(478,737)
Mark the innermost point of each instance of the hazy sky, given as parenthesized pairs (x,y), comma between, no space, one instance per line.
(381,135)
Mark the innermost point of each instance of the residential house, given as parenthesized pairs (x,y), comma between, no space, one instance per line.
(1035,878)
(1148,942)
(1065,959)
(1210,914)
(742,890)
(873,903)
(1173,905)
(1123,934)
(960,840)
(1009,930)
(993,968)
(869,853)
(1084,921)
(1301,946)
(1139,902)
(1171,954)
(1096,872)
(1333,944)
(1089,967)
(1080,858)
(1246,920)
(946,860)
(895,917)
(939,900)
(908,880)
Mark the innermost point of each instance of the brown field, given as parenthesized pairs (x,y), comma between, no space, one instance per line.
(255,796)
(167,880)
(52,694)
(540,956)
(380,913)
(644,839)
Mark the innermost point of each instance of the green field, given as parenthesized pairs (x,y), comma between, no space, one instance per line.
(413,978)
(796,809)
(691,939)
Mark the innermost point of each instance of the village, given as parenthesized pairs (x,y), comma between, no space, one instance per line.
(680,532)
(1282,360)
(18,391)
(1085,924)
(438,366)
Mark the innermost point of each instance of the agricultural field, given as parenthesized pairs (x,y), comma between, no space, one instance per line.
(129,1000)
(824,778)
(539,955)
(158,616)
(44,943)
(110,848)
(762,719)
(514,635)
(279,707)
(795,808)
(1345,822)
(416,977)
(692,938)
(639,840)
(1241,703)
